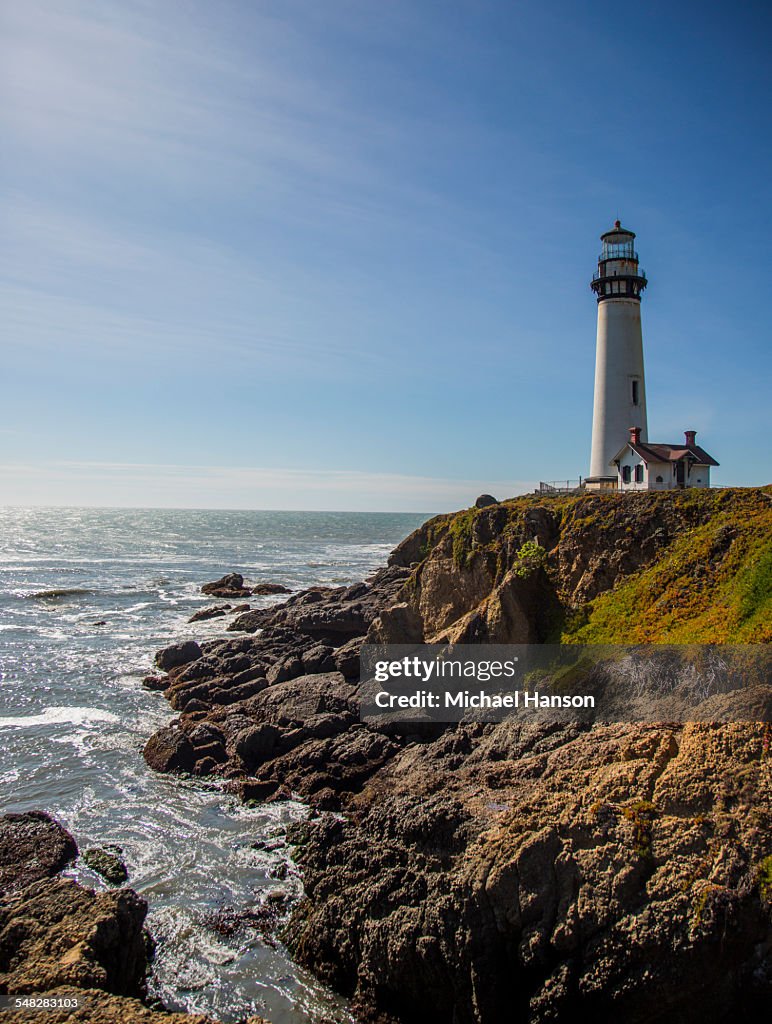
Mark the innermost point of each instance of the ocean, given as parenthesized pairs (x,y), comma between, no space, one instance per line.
(86,598)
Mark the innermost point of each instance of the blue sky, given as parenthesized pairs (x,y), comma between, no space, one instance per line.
(292,254)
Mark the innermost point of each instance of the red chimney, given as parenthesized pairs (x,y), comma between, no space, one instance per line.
(635,435)
(690,436)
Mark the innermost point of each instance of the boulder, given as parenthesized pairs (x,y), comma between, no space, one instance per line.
(177,655)
(32,846)
(156,682)
(251,621)
(319,658)
(229,585)
(346,658)
(169,750)
(485,500)
(267,589)
(256,743)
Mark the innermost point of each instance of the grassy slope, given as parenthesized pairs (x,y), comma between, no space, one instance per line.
(700,590)
(711,584)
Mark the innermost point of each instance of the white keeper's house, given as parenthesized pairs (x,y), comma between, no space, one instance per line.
(642,466)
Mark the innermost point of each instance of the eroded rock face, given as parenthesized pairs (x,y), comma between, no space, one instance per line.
(58,933)
(504,873)
(32,846)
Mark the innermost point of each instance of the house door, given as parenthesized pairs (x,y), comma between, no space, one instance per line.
(679,474)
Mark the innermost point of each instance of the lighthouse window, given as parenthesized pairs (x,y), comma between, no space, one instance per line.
(635,392)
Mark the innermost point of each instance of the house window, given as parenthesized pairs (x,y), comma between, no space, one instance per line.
(639,474)
(660,480)
(625,474)
(635,392)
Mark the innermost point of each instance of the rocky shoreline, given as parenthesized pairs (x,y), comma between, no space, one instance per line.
(483,873)
(65,944)
(476,874)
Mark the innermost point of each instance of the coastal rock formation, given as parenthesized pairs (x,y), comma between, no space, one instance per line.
(229,585)
(216,612)
(679,566)
(62,934)
(506,873)
(334,614)
(232,585)
(169,750)
(61,942)
(177,655)
(32,846)
(482,873)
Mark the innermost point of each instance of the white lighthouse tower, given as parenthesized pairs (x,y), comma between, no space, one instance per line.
(620,387)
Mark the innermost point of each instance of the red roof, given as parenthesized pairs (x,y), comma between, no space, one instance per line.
(670,453)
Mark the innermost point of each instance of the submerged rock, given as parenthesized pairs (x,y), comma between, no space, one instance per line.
(267,589)
(107,863)
(204,614)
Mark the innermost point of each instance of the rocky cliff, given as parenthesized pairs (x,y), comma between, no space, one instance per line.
(677,566)
(484,873)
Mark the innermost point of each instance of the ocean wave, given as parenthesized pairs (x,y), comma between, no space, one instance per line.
(58,716)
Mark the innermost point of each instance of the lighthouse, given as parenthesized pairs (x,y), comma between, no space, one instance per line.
(620,387)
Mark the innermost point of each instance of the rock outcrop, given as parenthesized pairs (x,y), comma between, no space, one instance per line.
(507,873)
(63,934)
(232,585)
(482,873)
(33,846)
